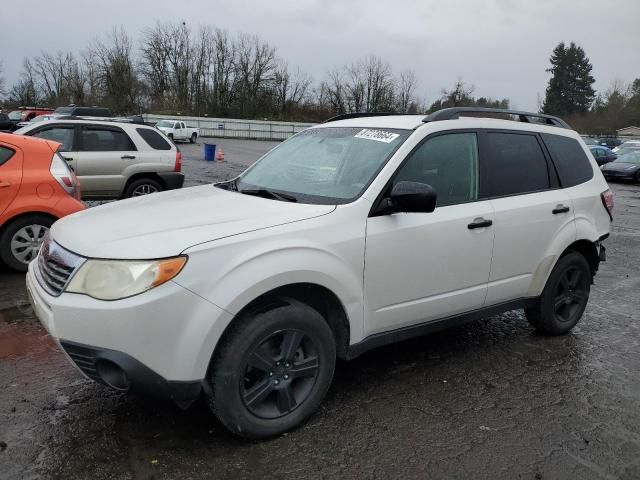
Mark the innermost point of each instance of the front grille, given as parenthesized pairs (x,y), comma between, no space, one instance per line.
(55,267)
(84,358)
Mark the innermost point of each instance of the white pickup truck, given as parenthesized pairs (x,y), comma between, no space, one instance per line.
(178,130)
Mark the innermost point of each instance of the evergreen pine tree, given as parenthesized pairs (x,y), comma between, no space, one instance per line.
(570,89)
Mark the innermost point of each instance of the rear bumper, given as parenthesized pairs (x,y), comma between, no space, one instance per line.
(172,180)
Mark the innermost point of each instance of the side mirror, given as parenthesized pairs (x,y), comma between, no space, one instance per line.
(410,197)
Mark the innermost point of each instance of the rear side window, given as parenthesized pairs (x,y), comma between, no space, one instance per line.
(105,139)
(515,165)
(573,165)
(153,139)
(5,155)
(61,134)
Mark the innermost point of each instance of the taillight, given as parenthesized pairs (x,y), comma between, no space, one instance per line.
(65,176)
(178,164)
(607,201)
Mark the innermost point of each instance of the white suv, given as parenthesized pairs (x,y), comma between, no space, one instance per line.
(352,234)
(113,159)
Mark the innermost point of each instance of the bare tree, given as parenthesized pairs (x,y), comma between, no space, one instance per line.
(116,71)
(333,92)
(406,87)
(254,67)
(290,88)
(25,91)
(2,87)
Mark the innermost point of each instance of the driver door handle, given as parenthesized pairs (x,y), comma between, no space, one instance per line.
(480,223)
(4,184)
(127,157)
(560,209)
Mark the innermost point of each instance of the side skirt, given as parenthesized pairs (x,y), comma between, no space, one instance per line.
(405,333)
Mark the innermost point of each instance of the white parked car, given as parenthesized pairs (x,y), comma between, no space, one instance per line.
(178,130)
(352,234)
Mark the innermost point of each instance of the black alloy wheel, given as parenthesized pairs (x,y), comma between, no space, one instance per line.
(280,374)
(571,295)
(565,296)
(272,368)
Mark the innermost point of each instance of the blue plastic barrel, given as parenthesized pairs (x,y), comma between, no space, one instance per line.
(209,152)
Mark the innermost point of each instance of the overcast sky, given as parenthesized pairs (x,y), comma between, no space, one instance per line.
(500,46)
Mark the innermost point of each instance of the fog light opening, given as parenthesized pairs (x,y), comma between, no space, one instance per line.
(112,375)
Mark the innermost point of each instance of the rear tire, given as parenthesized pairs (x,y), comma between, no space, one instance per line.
(142,186)
(564,297)
(21,239)
(194,137)
(272,370)
(170,137)
(637,177)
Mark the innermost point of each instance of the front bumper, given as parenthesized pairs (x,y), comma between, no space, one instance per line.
(122,372)
(172,180)
(161,341)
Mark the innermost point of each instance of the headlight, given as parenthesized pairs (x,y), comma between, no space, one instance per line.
(116,279)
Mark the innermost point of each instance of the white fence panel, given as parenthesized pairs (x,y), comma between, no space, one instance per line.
(236,128)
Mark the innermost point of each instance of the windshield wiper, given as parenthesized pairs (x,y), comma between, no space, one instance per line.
(265,193)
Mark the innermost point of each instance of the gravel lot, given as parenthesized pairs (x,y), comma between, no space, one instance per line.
(487,400)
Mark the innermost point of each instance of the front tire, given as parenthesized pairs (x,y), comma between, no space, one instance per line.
(21,240)
(272,370)
(564,297)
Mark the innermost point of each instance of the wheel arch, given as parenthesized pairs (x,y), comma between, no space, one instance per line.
(140,175)
(318,297)
(22,215)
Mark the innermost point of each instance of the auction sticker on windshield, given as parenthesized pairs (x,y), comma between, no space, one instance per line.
(377,135)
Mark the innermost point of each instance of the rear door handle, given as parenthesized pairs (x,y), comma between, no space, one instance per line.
(480,223)
(127,157)
(4,184)
(68,159)
(560,209)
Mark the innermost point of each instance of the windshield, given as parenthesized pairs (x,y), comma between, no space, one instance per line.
(16,115)
(323,165)
(632,156)
(165,123)
(627,149)
(40,118)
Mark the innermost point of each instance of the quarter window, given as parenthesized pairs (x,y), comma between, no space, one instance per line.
(515,165)
(572,163)
(153,139)
(60,134)
(449,163)
(5,155)
(101,139)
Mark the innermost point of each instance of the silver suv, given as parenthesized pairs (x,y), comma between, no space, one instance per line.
(114,159)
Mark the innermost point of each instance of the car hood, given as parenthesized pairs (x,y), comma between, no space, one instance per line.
(165,224)
(621,166)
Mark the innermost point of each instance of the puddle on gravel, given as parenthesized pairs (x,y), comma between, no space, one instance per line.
(21,335)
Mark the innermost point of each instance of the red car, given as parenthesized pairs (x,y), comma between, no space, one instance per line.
(36,188)
(25,114)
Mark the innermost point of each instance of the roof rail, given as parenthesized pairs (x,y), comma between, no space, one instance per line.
(133,119)
(346,116)
(456,112)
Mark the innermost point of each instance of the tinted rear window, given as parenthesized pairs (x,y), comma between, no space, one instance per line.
(5,154)
(573,165)
(515,165)
(153,139)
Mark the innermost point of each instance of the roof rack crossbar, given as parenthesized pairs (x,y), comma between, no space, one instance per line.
(346,116)
(456,112)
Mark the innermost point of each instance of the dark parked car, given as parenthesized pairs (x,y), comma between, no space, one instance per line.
(5,122)
(74,111)
(610,142)
(625,167)
(602,154)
